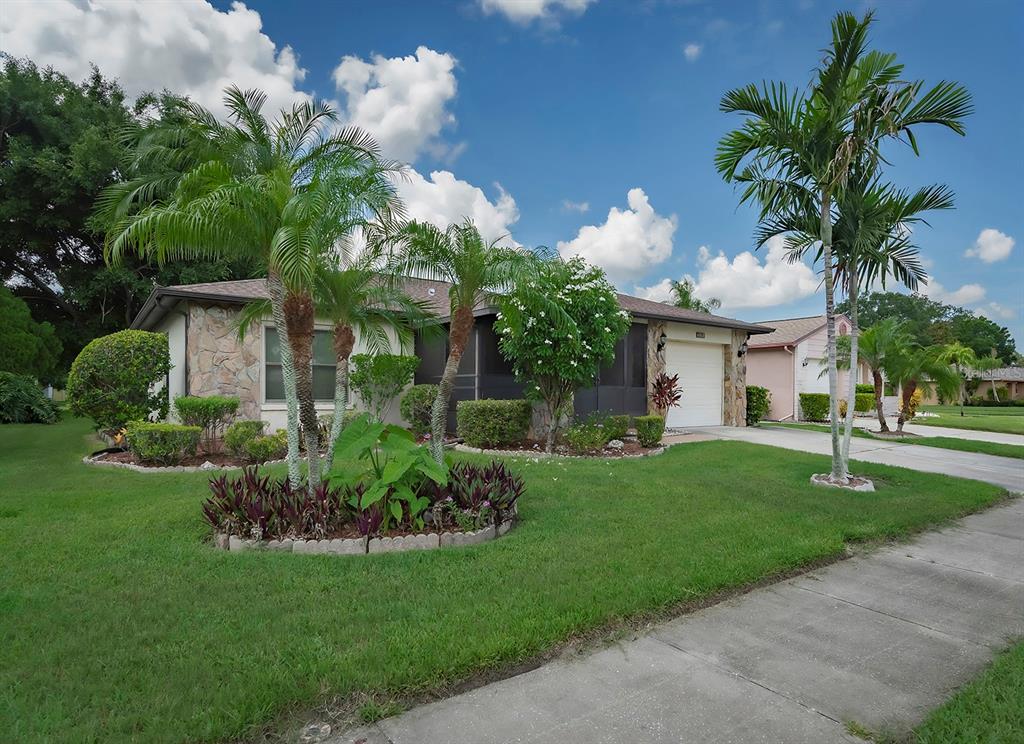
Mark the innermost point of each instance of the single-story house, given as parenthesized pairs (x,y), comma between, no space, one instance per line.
(1009,381)
(790,361)
(706,351)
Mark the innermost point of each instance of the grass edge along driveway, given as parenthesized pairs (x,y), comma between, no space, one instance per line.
(120,622)
(1002,419)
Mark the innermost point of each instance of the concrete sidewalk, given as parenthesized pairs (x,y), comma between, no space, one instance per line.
(1006,472)
(879,640)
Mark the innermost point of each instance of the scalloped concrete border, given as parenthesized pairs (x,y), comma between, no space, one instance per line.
(364,546)
(545,455)
(95,460)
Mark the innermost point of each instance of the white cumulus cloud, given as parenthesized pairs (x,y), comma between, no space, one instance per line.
(443,199)
(965,294)
(659,292)
(990,246)
(747,281)
(525,11)
(570,206)
(629,242)
(402,101)
(999,311)
(186,47)
(692,51)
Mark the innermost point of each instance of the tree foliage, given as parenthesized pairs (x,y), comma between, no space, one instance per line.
(683,296)
(28,348)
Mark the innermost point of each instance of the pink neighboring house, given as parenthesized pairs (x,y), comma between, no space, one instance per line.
(788,361)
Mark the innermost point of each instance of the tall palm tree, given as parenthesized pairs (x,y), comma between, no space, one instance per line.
(477,271)
(914,364)
(284,192)
(877,343)
(796,149)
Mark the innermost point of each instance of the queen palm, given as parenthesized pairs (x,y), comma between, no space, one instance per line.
(283,192)
(877,343)
(477,270)
(796,149)
(914,364)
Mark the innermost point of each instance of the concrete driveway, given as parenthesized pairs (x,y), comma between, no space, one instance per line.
(1006,472)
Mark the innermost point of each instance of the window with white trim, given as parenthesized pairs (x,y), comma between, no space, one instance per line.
(323,366)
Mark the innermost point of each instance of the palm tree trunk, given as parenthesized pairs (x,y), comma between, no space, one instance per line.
(458,337)
(276,291)
(876,377)
(907,392)
(839,472)
(344,340)
(851,405)
(299,315)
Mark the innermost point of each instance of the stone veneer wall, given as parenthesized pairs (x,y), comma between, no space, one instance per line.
(220,364)
(655,358)
(734,389)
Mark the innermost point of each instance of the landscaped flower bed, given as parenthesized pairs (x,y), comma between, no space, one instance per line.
(475,504)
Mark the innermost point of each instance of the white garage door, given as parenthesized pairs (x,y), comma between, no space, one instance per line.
(701,369)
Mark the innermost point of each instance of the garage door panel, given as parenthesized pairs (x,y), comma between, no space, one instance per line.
(701,369)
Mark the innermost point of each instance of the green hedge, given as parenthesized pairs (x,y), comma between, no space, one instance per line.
(209,413)
(865,387)
(814,406)
(759,402)
(615,427)
(586,437)
(649,430)
(864,402)
(493,423)
(271,447)
(22,401)
(240,433)
(160,443)
(415,408)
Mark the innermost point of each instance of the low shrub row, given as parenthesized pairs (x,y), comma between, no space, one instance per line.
(1001,403)
(210,413)
(649,430)
(493,423)
(161,443)
(22,401)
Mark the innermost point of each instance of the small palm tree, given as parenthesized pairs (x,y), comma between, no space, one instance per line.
(963,359)
(682,296)
(795,151)
(477,271)
(914,364)
(877,343)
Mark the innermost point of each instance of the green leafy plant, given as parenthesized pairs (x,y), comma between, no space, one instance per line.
(269,447)
(241,433)
(29,348)
(209,413)
(23,402)
(865,387)
(759,402)
(649,430)
(585,437)
(161,443)
(398,469)
(379,378)
(112,380)
(492,423)
(616,426)
(415,408)
(814,406)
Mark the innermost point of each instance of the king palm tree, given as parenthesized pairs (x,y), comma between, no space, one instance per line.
(283,192)
(913,364)
(877,343)
(477,271)
(796,149)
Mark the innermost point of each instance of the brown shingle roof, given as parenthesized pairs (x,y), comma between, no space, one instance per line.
(434,293)
(788,331)
(1009,374)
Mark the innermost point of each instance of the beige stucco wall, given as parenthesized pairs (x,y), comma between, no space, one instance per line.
(173,324)
(773,369)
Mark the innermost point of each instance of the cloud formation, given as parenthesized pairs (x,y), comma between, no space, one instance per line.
(443,199)
(629,242)
(527,11)
(692,51)
(659,292)
(966,294)
(571,206)
(990,246)
(401,100)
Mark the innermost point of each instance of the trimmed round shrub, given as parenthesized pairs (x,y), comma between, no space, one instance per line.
(209,413)
(616,426)
(415,408)
(161,443)
(23,402)
(241,433)
(112,380)
(759,402)
(814,406)
(586,437)
(649,430)
(493,423)
(271,447)
(864,402)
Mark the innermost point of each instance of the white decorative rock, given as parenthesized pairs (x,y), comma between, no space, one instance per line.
(505,526)
(857,483)
(446,538)
(347,546)
(207,466)
(615,444)
(235,543)
(220,539)
(431,541)
(302,546)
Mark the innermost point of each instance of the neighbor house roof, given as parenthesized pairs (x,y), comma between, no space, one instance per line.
(433,293)
(1010,374)
(788,331)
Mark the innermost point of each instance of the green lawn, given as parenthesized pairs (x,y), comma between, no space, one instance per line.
(964,445)
(1008,420)
(119,622)
(990,709)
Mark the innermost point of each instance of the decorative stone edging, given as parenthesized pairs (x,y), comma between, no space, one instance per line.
(97,460)
(543,455)
(366,546)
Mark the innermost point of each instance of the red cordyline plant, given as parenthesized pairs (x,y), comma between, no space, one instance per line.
(665,393)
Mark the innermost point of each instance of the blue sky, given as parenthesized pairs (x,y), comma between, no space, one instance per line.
(611,105)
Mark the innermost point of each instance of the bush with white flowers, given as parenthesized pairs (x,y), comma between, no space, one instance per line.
(558,331)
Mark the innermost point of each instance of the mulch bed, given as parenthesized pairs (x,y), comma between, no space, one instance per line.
(220,459)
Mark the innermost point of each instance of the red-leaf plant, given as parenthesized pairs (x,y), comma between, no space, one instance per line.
(665,393)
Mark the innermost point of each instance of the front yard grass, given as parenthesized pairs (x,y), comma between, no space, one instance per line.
(1006,420)
(119,621)
(990,709)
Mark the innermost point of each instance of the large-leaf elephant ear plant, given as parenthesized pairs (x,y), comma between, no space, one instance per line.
(796,149)
(281,192)
(478,272)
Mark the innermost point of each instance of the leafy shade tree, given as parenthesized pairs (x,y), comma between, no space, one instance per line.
(914,364)
(284,193)
(878,343)
(795,150)
(29,348)
(478,272)
(683,296)
(558,332)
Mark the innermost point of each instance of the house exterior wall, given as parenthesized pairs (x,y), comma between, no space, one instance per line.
(809,355)
(174,324)
(218,362)
(773,369)
(1008,389)
(734,387)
